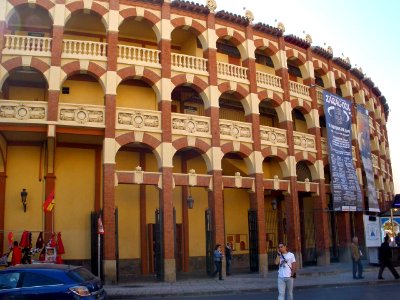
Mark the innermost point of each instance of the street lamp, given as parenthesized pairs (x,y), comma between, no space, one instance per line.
(274,204)
(24,194)
(190,200)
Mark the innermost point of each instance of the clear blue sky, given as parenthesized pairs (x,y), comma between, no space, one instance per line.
(366,31)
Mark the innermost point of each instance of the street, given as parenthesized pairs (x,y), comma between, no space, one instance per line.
(364,292)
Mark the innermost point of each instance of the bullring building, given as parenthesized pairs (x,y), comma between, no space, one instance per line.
(181,126)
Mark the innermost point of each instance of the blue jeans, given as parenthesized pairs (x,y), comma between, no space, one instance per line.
(357,265)
(285,287)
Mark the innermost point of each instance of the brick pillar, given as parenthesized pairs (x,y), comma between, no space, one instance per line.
(320,203)
(2,38)
(164,105)
(291,197)
(257,201)
(344,235)
(3,178)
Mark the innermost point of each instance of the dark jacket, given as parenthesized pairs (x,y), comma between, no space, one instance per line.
(385,252)
(228,253)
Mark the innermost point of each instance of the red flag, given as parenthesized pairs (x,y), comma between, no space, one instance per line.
(49,203)
(100,228)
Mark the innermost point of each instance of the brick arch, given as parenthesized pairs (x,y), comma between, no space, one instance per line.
(147,16)
(325,160)
(198,84)
(230,147)
(79,6)
(275,99)
(339,76)
(237,89)
(235,37)
(266,45)
(45,4)
(146,75)
(320,66)
(300,57)
(280,154)
(309,159)
(304,107)
(199,144)
(147,140)
(17,62)
(93,69)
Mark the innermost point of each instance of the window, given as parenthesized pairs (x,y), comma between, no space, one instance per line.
(35,279)
(9,280)
(264,60)
(81,275)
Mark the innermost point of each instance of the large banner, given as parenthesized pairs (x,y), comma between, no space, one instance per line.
(345,188)
(365,151)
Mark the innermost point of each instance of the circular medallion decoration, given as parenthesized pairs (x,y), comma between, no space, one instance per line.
(235,131)
(190,126)
(81,116)
(22,113)
(304,142)
(272,137)
(138,120)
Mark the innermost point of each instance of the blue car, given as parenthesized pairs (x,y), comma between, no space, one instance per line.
(50,281)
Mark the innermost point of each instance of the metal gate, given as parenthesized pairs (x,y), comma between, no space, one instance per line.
(308,247)
(116,243)
(158,247)
(94,245)
(253,240)
(209,242)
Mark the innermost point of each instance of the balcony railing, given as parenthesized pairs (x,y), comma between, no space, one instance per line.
(229,71)
(182,62)
(299,89)
(138,119)
(304,141)
(374,159)
(191,125)
(23,111)
(84,49)
(268,81)
(138,55)
(324,145)
(234,130)
(81,115)
(27,45)
(273,136)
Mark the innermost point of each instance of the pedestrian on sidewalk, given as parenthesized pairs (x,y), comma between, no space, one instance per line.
(218,261)
(228,257)
(385,259)
(286,273)
(356,258)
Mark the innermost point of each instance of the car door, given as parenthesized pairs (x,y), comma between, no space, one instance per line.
(9,285)
(42,287)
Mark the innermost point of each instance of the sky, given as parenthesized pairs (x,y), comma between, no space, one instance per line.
(366,31)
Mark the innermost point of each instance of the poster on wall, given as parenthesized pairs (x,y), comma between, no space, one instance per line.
(365,151)
(372,231)
(346,192)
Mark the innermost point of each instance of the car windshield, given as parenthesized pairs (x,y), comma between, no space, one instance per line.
(81,275)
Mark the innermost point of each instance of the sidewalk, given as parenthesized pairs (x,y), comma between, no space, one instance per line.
(332,275)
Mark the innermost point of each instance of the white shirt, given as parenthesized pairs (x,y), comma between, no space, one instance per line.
(284,267)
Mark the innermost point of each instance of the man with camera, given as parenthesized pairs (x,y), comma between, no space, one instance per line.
(286,273)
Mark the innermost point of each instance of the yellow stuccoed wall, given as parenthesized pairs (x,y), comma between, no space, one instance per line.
(74,199)
(271,169)
(23,172)
(83,92)
(136,97)
(26,93)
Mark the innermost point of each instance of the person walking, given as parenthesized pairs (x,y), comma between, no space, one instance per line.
(16,254)
(385,259)
(356,258)
(218,261)
(286,273)
(228,257)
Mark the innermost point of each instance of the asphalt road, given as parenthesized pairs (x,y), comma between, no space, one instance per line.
(362,292)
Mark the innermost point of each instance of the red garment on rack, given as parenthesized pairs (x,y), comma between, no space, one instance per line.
(60,245)
(39,241)
(24,243)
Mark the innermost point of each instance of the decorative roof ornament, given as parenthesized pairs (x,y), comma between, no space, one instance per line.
(330,50)
(308,38)
(249,16)
(211,5)
(361,70)
(347,60)
(281,27)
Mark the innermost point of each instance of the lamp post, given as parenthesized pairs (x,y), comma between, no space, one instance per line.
(190,200)
(274,203)
(24,194)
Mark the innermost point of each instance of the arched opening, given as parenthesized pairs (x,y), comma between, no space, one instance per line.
(191,240)
(299,121)
(268,114)
(136,205)
(231,107)
(30,21)
(186,100)
(264,62)
(227,52)
(26,84)
(185,41)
